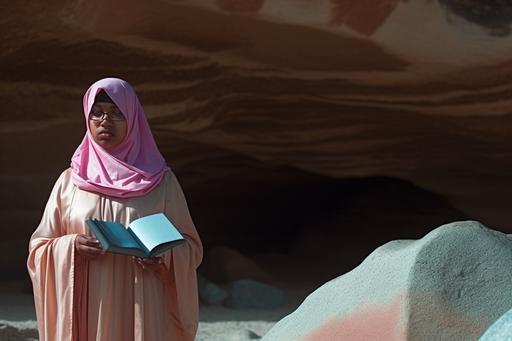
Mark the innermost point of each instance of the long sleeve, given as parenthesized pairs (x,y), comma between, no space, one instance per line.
(51,267)
(110,298)
(182,262)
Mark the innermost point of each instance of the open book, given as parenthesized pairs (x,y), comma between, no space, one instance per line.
(144,237)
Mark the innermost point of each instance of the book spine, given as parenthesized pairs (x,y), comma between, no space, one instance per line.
(141,244)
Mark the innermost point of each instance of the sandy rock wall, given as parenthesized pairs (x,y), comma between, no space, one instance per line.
(275,90)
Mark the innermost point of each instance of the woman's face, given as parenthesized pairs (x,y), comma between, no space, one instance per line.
(107,130)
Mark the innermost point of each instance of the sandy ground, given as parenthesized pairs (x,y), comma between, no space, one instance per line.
(18,322)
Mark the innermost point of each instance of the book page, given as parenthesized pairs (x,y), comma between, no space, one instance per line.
(154,230)
(117,235)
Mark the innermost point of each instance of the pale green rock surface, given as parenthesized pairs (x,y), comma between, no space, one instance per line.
(501,330)
(449,286)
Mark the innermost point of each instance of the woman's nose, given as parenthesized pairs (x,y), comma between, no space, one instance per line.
(106,121)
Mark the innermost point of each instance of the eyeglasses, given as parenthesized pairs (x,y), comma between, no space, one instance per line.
(99,116)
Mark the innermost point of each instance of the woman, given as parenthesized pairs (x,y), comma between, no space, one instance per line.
(117,174)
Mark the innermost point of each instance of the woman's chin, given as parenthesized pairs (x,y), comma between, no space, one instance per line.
(107,144)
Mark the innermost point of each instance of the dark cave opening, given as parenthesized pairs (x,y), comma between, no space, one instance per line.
(323,225)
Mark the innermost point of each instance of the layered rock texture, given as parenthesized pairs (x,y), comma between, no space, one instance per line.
(266,109)
(448,285)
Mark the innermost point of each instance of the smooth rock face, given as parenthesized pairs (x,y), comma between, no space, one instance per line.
(224,265)
(250,294)
(209,292)
(448,285)
(501,330)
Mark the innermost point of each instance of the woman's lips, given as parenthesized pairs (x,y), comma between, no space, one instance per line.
(105,135)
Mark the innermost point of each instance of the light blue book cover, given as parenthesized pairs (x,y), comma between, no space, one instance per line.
(154,230)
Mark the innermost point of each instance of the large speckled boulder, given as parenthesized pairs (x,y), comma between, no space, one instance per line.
(448,285)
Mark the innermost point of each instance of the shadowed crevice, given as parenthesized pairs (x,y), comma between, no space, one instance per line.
(493,15)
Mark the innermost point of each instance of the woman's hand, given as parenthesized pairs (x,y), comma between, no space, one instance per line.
(88,247)
(151,263)
(154,265)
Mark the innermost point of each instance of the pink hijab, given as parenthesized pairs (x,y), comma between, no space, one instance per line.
(131,169)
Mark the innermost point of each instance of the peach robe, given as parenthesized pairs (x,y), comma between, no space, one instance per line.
(111,298)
